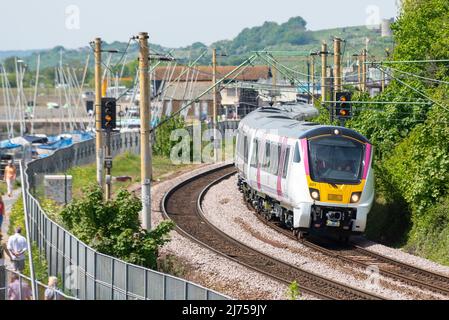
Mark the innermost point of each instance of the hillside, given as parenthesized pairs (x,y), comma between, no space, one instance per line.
(291,35)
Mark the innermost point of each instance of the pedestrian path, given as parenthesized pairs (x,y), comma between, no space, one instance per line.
(9,202)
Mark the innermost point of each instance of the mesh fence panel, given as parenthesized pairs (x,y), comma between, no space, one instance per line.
(87,274)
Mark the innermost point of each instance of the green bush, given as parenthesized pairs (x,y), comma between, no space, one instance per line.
(113,227)
(293,292)
(429,236)
(17,217)
(163,145)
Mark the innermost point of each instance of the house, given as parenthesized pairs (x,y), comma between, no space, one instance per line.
(174,87)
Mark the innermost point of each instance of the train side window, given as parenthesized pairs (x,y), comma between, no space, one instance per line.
(255,155)
(275,154)
(267,159)
(245,148)
(297,155)
(287,158)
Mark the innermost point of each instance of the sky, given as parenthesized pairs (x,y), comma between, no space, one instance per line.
(45,24)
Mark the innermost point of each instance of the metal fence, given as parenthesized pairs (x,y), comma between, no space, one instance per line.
(86,273)
(16,286)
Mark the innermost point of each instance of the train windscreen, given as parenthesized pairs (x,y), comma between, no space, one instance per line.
(336,160)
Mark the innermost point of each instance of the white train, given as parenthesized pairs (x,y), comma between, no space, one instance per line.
(313,178)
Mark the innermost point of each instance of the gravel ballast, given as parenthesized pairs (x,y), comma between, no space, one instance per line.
(210,269)
(224,207)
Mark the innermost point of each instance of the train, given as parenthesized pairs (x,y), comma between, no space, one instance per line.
(315,179)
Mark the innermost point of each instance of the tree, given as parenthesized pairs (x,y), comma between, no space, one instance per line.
(10,64)
(113,227)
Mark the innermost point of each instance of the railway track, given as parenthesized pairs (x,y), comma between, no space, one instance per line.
(356,255)
(182,204)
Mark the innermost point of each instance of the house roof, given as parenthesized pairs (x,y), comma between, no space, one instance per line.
(204,73)
(186,91)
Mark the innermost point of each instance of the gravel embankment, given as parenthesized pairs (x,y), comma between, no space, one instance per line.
(399,255)
(225,208)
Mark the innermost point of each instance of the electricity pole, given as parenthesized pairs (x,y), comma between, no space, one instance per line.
(308,83)
(359,72)
(323,71)
(364,68)
(337,65)
(312,71)
(98,131)
(145,143)
(214,113)
(331,86)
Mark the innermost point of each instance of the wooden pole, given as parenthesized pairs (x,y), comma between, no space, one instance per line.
(337,65)
(312,72)
(364,70)
(323,71)
(214,119)
(359,72)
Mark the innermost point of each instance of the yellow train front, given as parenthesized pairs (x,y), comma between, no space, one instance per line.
(313,178)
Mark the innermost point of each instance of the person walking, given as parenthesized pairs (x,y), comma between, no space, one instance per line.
(19,289)
(3,254)
(2,211)
(10,177)
(51,293)
(17,245)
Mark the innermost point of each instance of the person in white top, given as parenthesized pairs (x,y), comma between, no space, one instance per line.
(17,245)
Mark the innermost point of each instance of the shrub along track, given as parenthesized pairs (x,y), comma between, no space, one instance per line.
(182,204)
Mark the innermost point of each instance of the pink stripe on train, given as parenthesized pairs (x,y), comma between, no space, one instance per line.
(283,142)
(305,153)
(367,160)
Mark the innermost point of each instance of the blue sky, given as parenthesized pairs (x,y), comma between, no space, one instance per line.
(73,23)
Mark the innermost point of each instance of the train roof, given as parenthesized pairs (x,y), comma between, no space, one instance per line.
(289,124)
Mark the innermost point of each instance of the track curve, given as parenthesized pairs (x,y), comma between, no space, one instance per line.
(182,204)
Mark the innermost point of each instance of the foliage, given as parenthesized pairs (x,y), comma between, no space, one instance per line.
(293,292)
(113,227)
(412,149)
(126,164)
(291,35)
(39,263)
(171,264)
(430,234)
(163,144)
(17,217)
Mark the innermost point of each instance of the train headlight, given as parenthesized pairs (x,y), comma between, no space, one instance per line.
(356,197)
(315,194)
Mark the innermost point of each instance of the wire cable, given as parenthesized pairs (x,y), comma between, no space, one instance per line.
(416,90)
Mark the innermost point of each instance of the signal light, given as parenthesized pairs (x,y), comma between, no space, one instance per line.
(108,113)
(343,107)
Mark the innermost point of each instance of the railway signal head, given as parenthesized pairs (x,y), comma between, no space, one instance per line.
(343,107)
(108,113)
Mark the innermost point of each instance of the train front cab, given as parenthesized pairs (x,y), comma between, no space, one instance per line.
(340,184)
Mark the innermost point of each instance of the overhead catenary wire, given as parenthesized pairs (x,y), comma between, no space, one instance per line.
(238,70)
(420,77)
(416,90)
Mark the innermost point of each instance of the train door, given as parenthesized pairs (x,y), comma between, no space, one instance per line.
(280,155)
(254,166)
(273,168)
(264,159)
